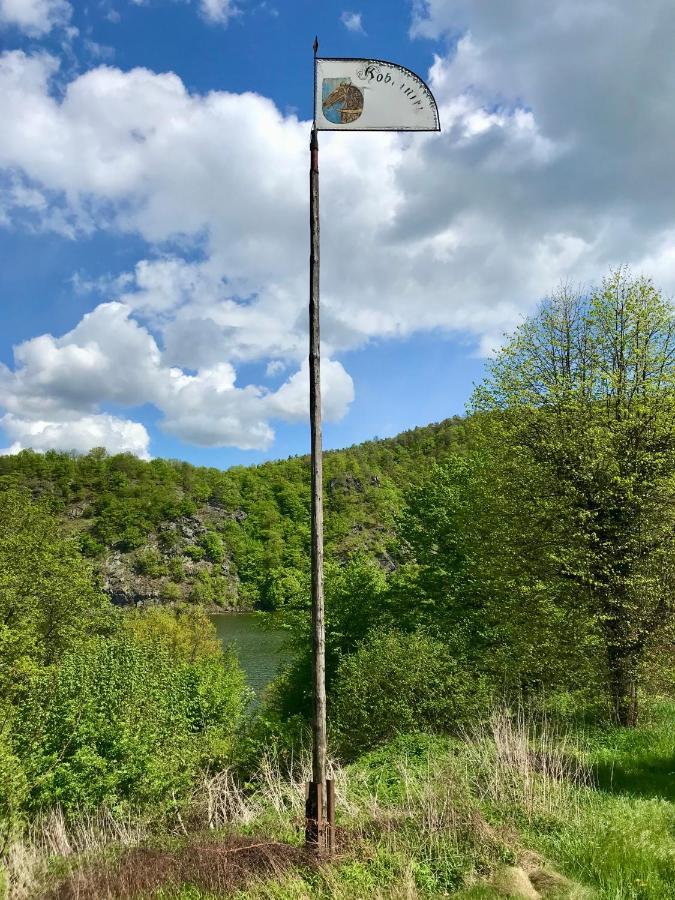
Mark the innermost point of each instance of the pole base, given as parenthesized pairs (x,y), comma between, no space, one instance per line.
(320,831)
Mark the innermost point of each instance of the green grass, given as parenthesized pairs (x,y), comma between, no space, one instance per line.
(432,817)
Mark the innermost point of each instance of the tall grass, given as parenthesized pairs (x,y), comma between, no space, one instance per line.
(422,817)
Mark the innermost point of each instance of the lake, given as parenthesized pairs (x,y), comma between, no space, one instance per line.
(260,649)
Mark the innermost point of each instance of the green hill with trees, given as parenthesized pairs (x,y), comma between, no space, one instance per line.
(165,531)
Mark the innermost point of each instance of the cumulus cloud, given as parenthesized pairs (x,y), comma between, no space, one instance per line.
(55,392)
(352,22)
(81,434)
(34,17)
(554,162)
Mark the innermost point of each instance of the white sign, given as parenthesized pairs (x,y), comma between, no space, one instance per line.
(371,95)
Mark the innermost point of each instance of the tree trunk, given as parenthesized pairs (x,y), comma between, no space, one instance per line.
(623,685)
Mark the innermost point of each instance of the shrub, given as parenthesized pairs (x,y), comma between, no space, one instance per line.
(212,544)
(171,593)
(90,546)
(149,562)
(168,538)
(396,683)
(48,601)
(13,786)
(194,552)
(126,723)
(176,570)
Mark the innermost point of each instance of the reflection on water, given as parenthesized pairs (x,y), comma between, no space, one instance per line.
(260,650)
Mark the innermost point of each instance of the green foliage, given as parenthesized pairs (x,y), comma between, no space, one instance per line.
(482,578)
(13,785)
(185,632)
(580,423)
(48,602)
(195,552)
(176,569)
(171,592)
(149,562)
(213,547)
(396,683)
(355,602)
(209,588)
(90,546)
(125,723)
(257,517)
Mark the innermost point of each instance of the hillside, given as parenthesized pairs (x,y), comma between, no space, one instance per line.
(164,530)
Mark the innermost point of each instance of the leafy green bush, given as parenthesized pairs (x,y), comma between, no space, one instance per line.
(149,562)
(125,723)
(194,552)
(396,683)
(176,569)
(171,593)
(13,785)
(168,538)
(90,546)
(48,601)
(213,547)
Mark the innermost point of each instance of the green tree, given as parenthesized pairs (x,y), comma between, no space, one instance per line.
(484,574)
(582,400)
(48,600)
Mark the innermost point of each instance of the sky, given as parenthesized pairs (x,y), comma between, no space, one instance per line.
(154,210)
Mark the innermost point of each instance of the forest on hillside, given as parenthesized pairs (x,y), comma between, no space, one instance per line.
(165,531)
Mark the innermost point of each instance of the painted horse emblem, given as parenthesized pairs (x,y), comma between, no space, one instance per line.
(342,101)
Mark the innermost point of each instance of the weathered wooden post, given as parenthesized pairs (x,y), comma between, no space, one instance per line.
(315,832)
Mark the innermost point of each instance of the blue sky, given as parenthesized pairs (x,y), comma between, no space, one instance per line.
(153,210)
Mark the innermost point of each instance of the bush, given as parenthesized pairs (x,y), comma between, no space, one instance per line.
(13,786)
(168,539)
(213,547)
(48,599)
(90,546)
(194,552)
(176,570)
(396,683)
(171,592)
(149,562)
(126,723)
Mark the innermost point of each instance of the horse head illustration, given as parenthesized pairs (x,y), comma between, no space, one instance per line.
(350,97)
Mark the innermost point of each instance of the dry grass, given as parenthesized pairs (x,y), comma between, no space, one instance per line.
(433,819)
(213,867)
(27,860)
(531,766)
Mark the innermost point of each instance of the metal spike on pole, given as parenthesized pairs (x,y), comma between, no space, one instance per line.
(315,832)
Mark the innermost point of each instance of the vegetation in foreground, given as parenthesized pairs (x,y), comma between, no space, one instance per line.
(513,805)
(533,569)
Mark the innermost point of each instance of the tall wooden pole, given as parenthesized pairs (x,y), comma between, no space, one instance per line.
(316,800)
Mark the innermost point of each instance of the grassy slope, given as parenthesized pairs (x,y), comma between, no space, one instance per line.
(588,815)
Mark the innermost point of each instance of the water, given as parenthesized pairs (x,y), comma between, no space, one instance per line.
(260,650)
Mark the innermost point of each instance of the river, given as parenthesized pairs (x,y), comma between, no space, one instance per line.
(260,649)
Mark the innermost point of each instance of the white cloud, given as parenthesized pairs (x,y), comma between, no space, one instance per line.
(35,17)
(352,22)
(274,367)
(58,386)
(81,435)
(218,11)
(554,162)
